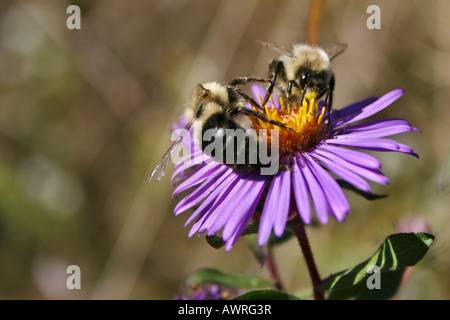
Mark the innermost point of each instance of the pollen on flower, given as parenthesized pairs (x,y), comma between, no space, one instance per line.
(306,122)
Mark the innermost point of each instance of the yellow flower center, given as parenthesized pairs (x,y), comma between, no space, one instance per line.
(306,122)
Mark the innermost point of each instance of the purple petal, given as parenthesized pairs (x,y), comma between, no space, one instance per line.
(202,191)
(235,236)
(197,178)
(316,192)
(337,201)
(228,211)
(214,211)
(245,221)
(179,170)
(374,107)
(207,208)
(340,116)
(230,205)
(373,144)
(185,164)
(378,129)
(284,199)
(276,207)
(301,192)
(343,173)
(183,175)
(258,91)
(368,173)
(354,156)
(244,209)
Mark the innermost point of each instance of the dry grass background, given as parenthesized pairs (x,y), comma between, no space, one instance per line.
(85,114)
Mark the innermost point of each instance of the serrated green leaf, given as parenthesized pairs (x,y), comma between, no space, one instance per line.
(266,295)
(208,275)
(398,251)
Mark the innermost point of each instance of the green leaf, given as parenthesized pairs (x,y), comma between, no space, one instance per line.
(215,242)
(252,228)
(266,295)
(287,235)
(366,195)
(398,251)
(260,253)
(208,275)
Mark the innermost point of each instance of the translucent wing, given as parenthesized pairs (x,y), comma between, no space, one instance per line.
(278,48)
(158,170)
(334,49)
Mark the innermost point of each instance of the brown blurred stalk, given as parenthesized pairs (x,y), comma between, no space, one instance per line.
(314,17)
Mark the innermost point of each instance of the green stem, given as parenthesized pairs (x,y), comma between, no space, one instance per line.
(271,266)
(300,232)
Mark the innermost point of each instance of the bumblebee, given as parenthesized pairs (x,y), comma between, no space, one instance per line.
(304,72)
(218,107)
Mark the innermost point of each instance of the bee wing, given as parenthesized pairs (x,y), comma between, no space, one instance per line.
(278,48)
(158,170)
(334,49)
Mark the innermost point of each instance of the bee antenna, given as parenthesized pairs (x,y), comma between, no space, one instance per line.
(328,103)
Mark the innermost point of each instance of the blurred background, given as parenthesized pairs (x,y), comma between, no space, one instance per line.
(85,115)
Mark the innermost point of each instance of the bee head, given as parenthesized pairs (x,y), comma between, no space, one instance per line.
(313,83)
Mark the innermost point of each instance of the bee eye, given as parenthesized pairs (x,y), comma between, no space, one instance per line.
(303,80)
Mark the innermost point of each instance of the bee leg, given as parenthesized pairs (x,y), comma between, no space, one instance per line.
(303,96)
(288,94)
(327,102)
(248,98)
(330,101)
(239,81)
(330,104)
(275,68)
(264,118)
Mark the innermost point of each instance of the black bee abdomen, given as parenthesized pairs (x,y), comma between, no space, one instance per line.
(215,128)
(225,141)
(219,120)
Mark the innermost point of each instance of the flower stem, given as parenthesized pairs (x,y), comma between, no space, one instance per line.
(300,232)
(271,266)
(314,17)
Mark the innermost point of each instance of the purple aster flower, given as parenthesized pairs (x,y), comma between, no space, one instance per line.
(226,200)
(205,292)
(208,291)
